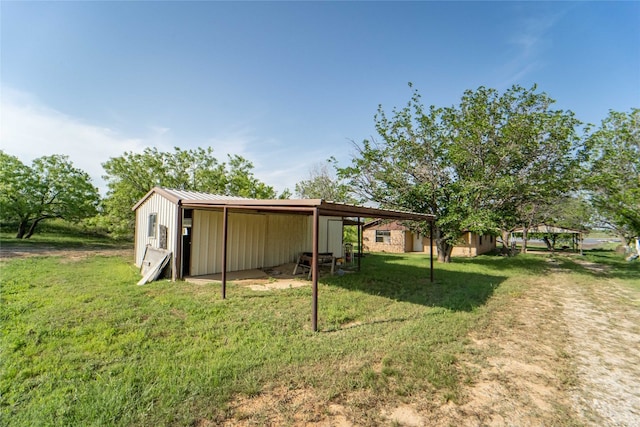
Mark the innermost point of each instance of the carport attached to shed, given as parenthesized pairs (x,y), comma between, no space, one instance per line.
(182,206)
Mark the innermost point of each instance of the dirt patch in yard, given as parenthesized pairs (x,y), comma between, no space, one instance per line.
(266,279)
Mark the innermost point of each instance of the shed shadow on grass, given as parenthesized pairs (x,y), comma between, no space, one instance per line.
(406,278)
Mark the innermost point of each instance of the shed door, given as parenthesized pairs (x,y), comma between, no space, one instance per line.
(187,223)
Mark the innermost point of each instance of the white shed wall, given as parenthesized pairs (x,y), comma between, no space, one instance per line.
(329,235)
(245,245)
(166,215)
(257,240)
(206,242)
(287,236)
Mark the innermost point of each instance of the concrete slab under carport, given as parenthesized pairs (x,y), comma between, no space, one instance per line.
(279,277)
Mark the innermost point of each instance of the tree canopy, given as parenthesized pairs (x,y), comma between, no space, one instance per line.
(50,188)
(479,166)
(613,172)
(132,175)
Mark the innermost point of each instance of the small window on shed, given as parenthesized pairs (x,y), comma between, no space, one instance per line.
(153,222)
(383,236)
(480,240)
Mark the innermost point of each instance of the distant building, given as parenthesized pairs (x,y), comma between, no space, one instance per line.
(392,236)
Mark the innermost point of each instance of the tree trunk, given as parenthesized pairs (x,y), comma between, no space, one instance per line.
(548,243)
(525,232)
(444,250)
(506,237)
(32,229)
(22,228)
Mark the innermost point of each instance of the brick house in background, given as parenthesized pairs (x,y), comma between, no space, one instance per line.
(393,236)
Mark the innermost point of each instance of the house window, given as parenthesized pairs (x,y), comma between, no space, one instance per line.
(153,221)
(383,236)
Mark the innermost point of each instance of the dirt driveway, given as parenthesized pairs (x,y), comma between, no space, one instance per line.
(563,353)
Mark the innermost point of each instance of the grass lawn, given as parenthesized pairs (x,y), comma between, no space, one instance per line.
(59,234)
(83,345)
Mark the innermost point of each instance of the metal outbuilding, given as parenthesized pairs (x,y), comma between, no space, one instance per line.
(208,233)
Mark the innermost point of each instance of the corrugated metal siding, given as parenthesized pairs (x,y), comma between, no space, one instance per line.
(185,195)
(334,236)
(246,241)
(206,242)
(166,212)
(287,236)
(326,243)
(254,240)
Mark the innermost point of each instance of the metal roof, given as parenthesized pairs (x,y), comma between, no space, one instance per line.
(185,195)
(550,229)
(180,196)
(196,200)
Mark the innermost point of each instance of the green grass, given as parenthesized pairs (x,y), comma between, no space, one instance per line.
(61,234)
(83,345)
(616,267)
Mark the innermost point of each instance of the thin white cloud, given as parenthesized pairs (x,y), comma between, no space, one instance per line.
(528,46)
(30,129)
(235,143)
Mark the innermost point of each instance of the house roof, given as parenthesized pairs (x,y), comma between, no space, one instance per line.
(385,224)
(197,200)
(547,228)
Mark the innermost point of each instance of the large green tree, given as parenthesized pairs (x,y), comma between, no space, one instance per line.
(516,154)
(132,175)
(410,168)
(50,188)
(613,172)
(476,166)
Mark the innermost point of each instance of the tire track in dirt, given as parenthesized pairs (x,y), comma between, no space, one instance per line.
(562,353)
(519,364)
(604,326)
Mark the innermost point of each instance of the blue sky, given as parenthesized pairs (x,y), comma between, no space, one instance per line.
(287,84)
